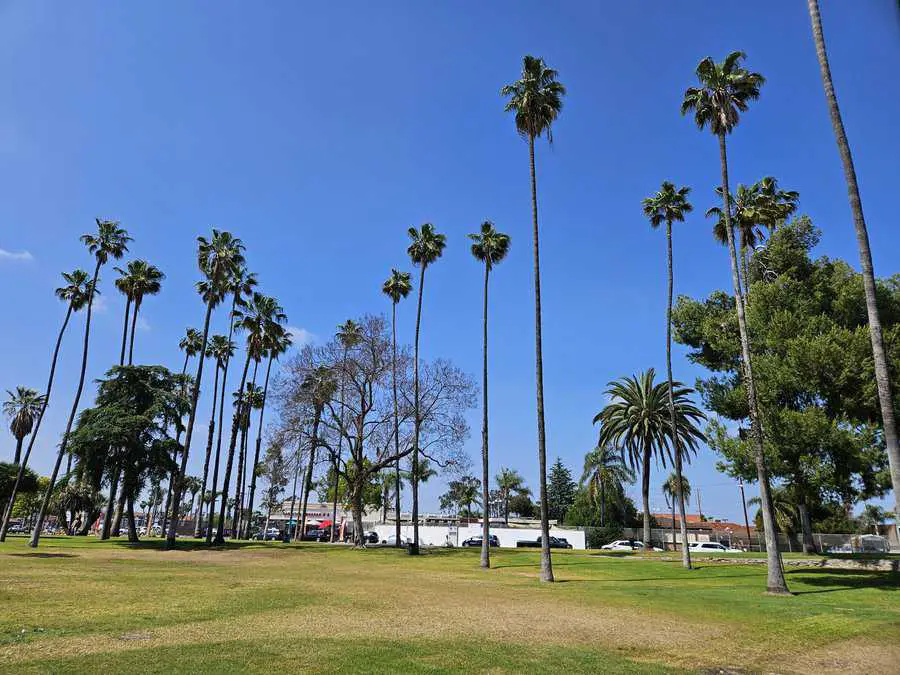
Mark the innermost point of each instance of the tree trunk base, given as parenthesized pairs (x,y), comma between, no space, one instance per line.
(780,592)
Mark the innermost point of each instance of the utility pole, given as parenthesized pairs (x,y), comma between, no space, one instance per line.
(744,504)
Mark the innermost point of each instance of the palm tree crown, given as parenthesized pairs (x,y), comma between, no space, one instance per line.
(669,205)
(427,245)
(22,407)
(349,334)
(75,292)
(535,98)
(605,471)
(397,286)
(220,348)
(140,278)
(111,241)
(489,246)
(191,343)
(670,488)
(637,418)
(725,91)
(219,259)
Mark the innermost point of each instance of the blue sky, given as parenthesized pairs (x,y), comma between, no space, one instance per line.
(319,133)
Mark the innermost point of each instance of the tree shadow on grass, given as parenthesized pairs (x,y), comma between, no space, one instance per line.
(201,545)
(844,580)
(44,555)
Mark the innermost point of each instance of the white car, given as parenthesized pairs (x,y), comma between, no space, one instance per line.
(392,540)
(625,545)
(711,547)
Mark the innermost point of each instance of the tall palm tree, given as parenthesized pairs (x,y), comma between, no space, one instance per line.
(509,482)
(882,368)
(75,295)
(22,407)
(426,247)
(396,287)
(490,247)
(677,489)
(605,472)
(253,400)
(667,206)
(536,100)
(219,349)
(277,343)
(123,285)
(726,90)
(218,259)
(318,388)
(637,421)
(240,284)
(256,318)
(349,335)
(190,344)
(146,280)
(110,241)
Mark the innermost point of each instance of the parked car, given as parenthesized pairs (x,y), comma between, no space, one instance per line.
(476,541)
(272,534)
(17,529)
(626,545)
(711,547)
(555,542)
(392,540)
(370,537)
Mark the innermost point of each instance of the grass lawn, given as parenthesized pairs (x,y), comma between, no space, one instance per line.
(79,605)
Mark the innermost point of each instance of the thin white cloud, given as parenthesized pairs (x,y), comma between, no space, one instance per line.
(143,324)
(100,304)
(15,255)
(301,336)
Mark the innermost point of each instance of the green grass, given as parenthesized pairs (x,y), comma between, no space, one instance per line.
(79,605)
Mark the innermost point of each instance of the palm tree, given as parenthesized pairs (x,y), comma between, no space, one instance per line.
(75,294)
(536,100)
(146,280)
(22,407)
(882,368)
(253,400)
(670,205)
(256,318)
(785,507)
(123,285)
(190,344)
(218,259)
(349,335)
(426,247)
(318,388)
(509,482)
(637,421)
(726,90)
(111,241)
(219,349)
(240,284)
(277,343)
(490,247)
(678,489)
(605,471)
(396,287)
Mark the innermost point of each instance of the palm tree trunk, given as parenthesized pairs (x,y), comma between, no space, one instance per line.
(485,472)
(42,513)
(7,514)
(137,308)
(882,370)
(307,481)
(189,431)
(745,273)
(645,495)
(209,444)
(165,520)
(602,505)
(235,427)
(679,493)
(241,511)
(775,582)
(259,429)
(417,422)
(396,425)
(125,329)
(506,508)
(110,504)
(239,476)
(546,563)
(18,454)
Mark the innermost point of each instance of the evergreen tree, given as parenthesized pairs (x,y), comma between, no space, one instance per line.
(560,491)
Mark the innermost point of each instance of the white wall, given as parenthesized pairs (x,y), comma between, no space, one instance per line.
(432,535)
